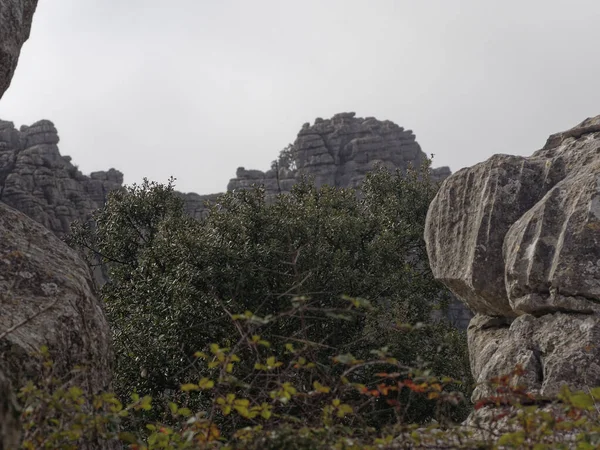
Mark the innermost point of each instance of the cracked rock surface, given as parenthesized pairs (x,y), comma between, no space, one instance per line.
(46,299)
(518,240)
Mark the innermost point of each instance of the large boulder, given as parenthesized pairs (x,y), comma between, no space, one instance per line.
(46,299)
(15,24)
(518,240)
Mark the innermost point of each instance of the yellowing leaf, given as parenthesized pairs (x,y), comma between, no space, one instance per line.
(205,383)
(320,388)
(344,410)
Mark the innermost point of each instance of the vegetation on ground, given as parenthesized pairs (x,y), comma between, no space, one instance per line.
(284,324)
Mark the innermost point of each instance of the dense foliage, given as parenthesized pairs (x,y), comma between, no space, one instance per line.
(175,282)
(284,324)
(276,410)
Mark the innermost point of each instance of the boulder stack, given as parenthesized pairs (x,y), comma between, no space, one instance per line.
(517,239)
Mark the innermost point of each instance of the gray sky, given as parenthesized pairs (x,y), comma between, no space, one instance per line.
(196,88)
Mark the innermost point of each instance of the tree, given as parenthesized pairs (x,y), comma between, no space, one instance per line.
(176,282)
(286,159)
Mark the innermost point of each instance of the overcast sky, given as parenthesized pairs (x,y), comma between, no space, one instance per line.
(196,88)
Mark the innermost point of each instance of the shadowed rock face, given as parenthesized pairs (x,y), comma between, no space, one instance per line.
(15,23)
(518,240)
(46,299)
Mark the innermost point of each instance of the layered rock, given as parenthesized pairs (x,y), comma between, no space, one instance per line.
(518,240)
(339,152)
(37,180)
(15,24)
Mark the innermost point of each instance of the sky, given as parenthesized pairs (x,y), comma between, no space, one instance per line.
(196,88)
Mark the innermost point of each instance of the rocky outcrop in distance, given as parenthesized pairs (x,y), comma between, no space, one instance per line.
(339,152)
(518,240)
(38,181)
(16,17)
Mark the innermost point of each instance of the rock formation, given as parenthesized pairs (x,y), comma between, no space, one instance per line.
(339,152)
(45,288)
(15,23)
(518,240)
(38,181)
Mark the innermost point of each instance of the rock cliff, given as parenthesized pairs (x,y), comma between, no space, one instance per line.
(15,24)
(38,181)
(518,240)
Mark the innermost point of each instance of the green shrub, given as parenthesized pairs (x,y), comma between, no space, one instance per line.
(175,282)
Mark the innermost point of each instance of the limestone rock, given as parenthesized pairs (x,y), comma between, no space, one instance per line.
(518,240)
(339,152)
(15,23)
(46,299)
(38,181)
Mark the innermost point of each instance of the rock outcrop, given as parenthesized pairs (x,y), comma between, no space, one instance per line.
(339,152)
(518,240)
(38,181)
(15,24)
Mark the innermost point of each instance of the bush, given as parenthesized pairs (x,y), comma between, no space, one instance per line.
(175,282)
(275,407)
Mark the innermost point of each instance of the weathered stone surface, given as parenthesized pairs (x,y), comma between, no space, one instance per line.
(38,181)
(339,152)
(15,23)
(46,299)
(518,240)
(553,350)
